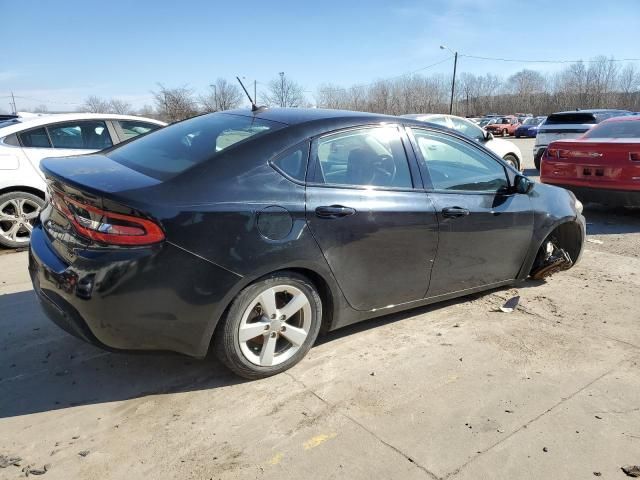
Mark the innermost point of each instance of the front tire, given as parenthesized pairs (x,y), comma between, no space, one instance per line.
(505,133)
(18,212)
(270,326)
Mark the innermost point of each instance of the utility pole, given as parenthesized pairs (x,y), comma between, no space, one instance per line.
(453,81)
(282,101)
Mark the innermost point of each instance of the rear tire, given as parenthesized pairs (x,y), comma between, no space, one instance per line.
(260,336)
(512,160)
(505,133)
(18,212)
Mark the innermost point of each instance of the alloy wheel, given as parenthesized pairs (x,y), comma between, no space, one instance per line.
(17,216)
(275,325)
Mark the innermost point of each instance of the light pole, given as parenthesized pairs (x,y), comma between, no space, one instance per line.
(215,96)
(282,102)
(453,81)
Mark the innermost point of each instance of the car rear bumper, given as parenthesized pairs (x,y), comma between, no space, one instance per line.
(156,298)
(606,196)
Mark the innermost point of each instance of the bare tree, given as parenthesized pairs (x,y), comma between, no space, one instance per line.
(40,109)
(147,111)
(173,104)
(284,92)
(223,95)
(94,104)
(119,106)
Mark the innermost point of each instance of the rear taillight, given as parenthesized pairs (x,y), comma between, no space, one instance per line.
(634,156)
(107,227)
(564,153)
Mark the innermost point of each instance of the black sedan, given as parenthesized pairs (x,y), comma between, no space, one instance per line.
(249,232)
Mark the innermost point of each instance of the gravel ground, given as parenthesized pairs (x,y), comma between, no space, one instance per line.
(457,390)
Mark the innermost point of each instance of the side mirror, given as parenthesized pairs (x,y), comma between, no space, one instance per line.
(488,136)
(522,184)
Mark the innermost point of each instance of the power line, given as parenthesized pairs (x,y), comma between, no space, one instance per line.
(394,77)
(519,60)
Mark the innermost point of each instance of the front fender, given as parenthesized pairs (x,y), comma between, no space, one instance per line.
(552,207)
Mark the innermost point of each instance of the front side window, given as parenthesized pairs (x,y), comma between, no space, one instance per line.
(468,129)
(453,164)
(84,135)
(36,138)
(133,128)
(172,150)
(363,157)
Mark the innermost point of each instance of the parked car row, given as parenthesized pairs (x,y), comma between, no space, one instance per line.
(25,141)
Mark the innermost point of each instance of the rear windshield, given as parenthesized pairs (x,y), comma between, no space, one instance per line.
(629,129)
(570,118)
(172,150)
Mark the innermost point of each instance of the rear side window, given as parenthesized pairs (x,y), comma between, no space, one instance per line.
(615,129)
(133,128)
(172,150)
(11,140)
(571,118)
(84,135)
(36,138)
(371,156)
(293,162)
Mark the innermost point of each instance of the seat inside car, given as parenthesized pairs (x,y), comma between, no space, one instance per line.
(361,166)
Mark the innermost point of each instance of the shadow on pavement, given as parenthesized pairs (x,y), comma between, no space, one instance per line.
(43,368)
(603,220)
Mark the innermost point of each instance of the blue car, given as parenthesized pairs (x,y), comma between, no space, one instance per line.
(529,127)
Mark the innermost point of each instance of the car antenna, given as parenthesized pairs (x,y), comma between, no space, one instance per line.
(254,107)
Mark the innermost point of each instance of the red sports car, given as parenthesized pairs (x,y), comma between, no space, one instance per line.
(602,166)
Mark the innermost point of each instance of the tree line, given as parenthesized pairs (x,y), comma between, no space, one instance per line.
(599,83)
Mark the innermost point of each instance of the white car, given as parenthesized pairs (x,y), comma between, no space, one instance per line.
(24,144)
(505,149)
(568,125)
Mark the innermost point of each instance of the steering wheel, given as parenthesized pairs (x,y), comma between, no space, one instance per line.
(385,168)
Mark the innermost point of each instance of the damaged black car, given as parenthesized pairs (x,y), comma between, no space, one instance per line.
(251,231)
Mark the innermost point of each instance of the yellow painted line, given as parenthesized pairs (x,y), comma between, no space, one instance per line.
(277,458)
(318,440)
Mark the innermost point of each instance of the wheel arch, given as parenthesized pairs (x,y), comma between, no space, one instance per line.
(23,188)
(328,295)
(569,235)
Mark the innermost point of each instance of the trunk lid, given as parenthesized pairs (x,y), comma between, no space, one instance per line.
(95,181)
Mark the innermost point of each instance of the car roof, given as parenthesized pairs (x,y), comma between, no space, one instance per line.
(294,116)
(624,118)
(593,110)
(28,123)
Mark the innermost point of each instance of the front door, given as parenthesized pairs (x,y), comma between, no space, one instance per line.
(485,230)
(377,232)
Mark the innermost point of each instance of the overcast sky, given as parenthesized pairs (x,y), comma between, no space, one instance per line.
(58,53)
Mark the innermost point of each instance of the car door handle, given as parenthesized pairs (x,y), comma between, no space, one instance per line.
(334,211)
(454,212)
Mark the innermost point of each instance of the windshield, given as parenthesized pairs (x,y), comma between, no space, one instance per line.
(531,121)
(625,129)
(174,149)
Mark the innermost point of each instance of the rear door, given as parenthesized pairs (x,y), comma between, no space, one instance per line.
(485,231)
(64,139)
(370,216)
